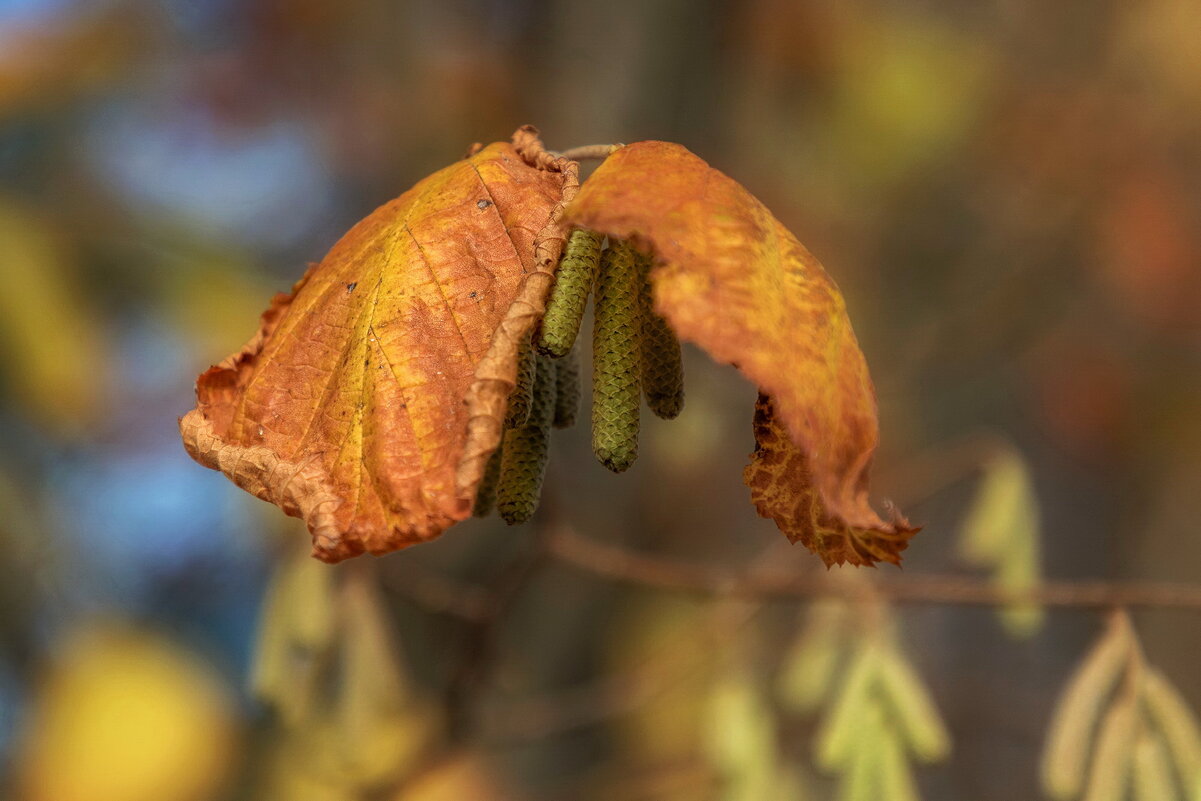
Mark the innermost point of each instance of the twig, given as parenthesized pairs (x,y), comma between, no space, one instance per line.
(625,566)
(589,152)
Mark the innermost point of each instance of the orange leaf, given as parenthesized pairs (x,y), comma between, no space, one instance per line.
(731,278)
(373,394)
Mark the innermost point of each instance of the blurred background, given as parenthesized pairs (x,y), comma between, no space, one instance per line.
(1006,192)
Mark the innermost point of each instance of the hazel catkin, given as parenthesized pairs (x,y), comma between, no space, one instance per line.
(523,463)
(573,283)
(662,365)
(617,359)
(567,390)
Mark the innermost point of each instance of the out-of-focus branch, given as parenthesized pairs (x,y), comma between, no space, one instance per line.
(629,567)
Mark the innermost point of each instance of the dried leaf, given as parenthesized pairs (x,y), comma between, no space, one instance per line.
(729,277)
(1065,756)
(783,487)
(373,395)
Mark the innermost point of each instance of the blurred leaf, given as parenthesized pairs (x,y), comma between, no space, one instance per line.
(1065,755)
(296,634)
(1001,532)
(127,716)
(54,349)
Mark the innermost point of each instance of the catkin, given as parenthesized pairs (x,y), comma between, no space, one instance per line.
(616,359)
(662,367)
(1152,770)
(1065,758)
(485,496)
(520,398)
(836,743)
(813,658)
(913,709)
(1170,714)
(567,390)
(523,463)
(573,283)
(896,774)
(1109,773)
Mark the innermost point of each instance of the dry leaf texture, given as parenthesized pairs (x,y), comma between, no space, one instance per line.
(372,395)
(731,278)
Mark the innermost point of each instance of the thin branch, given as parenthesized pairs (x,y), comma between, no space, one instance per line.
(589,152)
(628,567)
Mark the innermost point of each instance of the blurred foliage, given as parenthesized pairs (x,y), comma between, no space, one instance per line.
(1005,192)
(126,716)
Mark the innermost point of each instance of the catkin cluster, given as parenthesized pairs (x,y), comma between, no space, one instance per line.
(635,355)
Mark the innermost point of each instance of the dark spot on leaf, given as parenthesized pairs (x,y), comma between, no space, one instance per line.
(483,203)
(350,287)
(473,294)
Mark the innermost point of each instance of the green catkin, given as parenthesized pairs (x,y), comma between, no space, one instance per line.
(573,283)
(485,496)
(662,367)
(567,390)
(616,359)
(520,398)
(523,463)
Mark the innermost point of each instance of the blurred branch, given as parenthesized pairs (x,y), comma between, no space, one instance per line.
(437,594)
(491,604)
(629,567)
